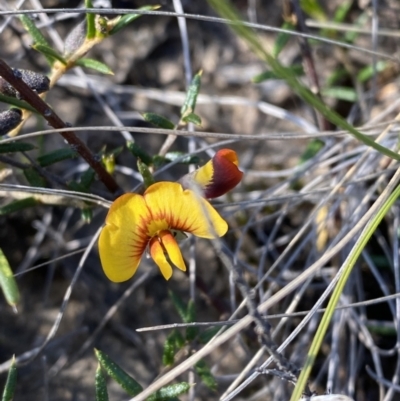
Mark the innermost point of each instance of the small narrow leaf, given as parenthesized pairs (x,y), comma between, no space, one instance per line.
(36,35)
(191,97)
(172,344)
(282,38)
(56,156)
(191,332)
(128,383)
(169,392)
(208,334)
(12,147)
(122,22)
(34,178)
(312,149)
(9,119)
(138,152)
(49,52)
(9,388)
(186,159)
(90,21)
(368,72)
(100,385)
(148,178)
(87,178)
(341,93)
(179,305)
(94,65)
(7,282)
(158,121)
(16,206)
(12,101)
(204,372)
(192,118)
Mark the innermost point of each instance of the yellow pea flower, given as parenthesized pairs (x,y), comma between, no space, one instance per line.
(135,222)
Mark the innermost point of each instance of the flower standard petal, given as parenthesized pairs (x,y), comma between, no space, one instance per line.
(216,177)
(157,253)
(124,238)
(171,247)
(183,210)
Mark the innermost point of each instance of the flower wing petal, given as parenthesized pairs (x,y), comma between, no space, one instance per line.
(123,239)
(171,246)
(157,253)
(184,210)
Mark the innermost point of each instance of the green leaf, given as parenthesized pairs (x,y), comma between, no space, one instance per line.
(312,149)
(87,179)
(21,104)
(36,35)
(128,383)
(192,118)
(368,72)
(172,344)
(313,9)
(18,205)
(90,21)
(94,65)
(204,372)
(296,70)
(138,152)
(49,52)
(158,121)
(172,156)
(148,178)
(87,214)
(7,282)
(169,392)
(100,385)
(342,9)
(34,178)
(128,18)
(282,38)
(11,383)
(191,331)
(57,156)
(179,305)
(341,93)
(12,147)
(191,97)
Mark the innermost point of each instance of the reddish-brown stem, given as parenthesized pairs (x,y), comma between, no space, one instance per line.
(32,98)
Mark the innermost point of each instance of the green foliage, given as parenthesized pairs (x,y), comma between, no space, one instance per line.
(192,118)
(33,177)
(296,70)
(56,156)
(90,21)
(37,37)
(170,392)
(20,104)
(49,52)
(204,372)
(128,18)
(94,65)
(191,96)
(9,388)
(172,344)
(7,282)
(312,149)
(128,383)
(12,147)
(138,152)
(282,39)
(100,385)
(145,172)
(158,121)
(17,205)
